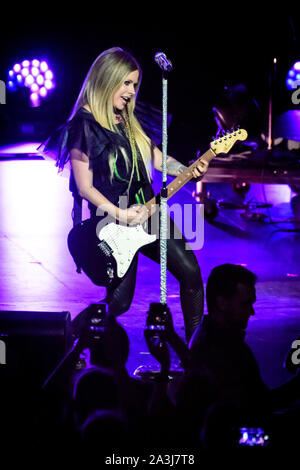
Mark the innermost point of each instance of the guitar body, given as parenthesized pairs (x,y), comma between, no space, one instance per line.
(106,258)
(124,242)
(83,246)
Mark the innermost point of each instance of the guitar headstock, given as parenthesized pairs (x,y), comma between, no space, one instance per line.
(227,141)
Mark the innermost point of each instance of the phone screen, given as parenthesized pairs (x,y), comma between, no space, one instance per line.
(253,437)
(156,317)
(98,320)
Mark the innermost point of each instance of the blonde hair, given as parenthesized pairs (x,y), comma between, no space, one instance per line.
(104,78)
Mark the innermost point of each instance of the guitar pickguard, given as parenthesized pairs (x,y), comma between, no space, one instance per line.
(124,242)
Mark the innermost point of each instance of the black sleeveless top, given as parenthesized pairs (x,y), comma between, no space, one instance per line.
(84,133)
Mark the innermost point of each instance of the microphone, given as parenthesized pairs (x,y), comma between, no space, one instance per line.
(162,61)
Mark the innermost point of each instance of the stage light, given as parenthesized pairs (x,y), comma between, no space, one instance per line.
(34,87)
(24,72)
(43,92)
(35,71)
(34,96)
(48,75)
(293,76)
(29,80)
(34,74)
(40,79)
(35,63)
(297,66)
(44,66)
(48,84)
(11,85)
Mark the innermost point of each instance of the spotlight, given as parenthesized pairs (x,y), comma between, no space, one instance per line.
(43,92)
(11,86)
(48,84)
(24,71)
(35,71)
(40,80)
(17,68)
(293,76)
(34,74)
(29,80)
(44,66)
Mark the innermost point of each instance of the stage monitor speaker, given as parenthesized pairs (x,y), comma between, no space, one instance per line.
(32,344)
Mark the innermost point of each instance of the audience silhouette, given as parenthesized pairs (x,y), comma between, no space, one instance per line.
(220,400)
(218,348)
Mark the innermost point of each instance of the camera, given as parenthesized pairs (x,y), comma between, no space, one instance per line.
(98,320)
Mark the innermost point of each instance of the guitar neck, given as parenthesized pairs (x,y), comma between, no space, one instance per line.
(183,178)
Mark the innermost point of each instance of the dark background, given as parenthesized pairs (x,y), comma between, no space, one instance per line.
(208,50)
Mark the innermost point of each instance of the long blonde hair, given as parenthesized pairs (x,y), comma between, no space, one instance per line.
(104,78)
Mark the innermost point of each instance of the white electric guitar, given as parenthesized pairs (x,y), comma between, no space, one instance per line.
(119,243)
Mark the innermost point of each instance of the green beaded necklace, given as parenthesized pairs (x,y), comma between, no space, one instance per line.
(139,196)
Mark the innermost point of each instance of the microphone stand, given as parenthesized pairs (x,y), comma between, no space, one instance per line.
(164,194)
(158,311)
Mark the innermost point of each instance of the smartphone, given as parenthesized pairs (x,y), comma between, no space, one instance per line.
(98,320)
(253,437)
(157,316)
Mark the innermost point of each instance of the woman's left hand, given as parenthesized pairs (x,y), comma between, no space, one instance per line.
(199,170)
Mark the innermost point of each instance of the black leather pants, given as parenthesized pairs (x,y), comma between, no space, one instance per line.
(183,264)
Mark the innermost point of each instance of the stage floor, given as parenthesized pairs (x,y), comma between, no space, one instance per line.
(38,274)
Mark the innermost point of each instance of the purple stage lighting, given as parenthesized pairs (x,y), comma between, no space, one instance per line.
(34,74)
(293,77)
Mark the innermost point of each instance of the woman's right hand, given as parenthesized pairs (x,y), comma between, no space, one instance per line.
(134,215)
